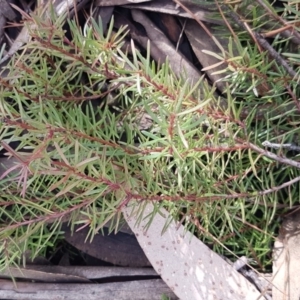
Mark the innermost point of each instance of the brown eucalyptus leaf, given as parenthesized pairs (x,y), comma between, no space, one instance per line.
(200,40)
(2,25)
(117,2)
(119,249)
(6,10)
(177,61)
(172,27)
(202,11)
(139,36)
(105,13)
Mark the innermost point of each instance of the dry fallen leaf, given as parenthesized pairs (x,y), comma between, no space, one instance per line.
(187,266)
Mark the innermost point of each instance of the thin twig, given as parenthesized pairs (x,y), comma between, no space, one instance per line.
(295,36)
(273,53)
(272,155)
(279,187)
(262,42)
(225,20)
(290,146)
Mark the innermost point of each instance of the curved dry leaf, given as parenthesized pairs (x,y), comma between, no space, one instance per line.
(177,61)
(119,249)
(117,2)
(6,10)
(200,41)
(202,10)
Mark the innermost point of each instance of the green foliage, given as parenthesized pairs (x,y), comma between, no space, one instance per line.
(98,130)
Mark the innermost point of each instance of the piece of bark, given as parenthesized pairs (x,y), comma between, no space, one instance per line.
(286,260)
(76,274)
(42,274)
(188,266)
(92,272)
(130,290)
